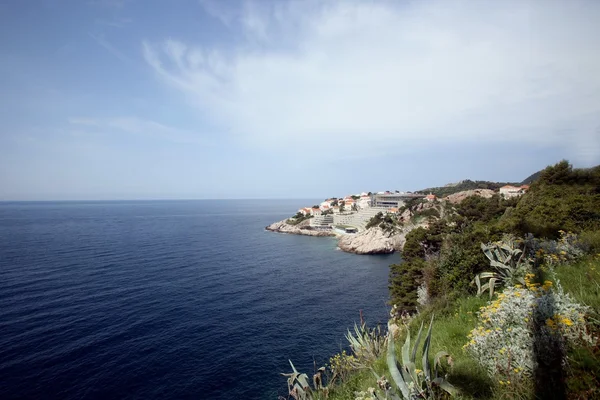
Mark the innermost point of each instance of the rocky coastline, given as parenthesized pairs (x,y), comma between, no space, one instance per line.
(376,240)
(303,228)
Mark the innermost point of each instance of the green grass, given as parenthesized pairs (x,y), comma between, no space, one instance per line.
(582,281)
(451,325)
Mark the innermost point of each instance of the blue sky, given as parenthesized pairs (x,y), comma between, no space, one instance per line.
(131,99)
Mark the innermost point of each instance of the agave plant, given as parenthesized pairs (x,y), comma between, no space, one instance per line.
(412,382)
(298,387)
(368,344)
(510,264)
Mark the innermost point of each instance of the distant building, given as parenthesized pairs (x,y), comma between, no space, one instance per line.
(392,200)
(431,197)
(305,211)
(510,191)
(316,211)
(364,202)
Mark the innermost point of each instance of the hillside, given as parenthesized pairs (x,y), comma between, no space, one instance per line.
(513,285)
(467,184)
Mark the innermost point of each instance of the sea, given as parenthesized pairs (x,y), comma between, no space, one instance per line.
(172,299)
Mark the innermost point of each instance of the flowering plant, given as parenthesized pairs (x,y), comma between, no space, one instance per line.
(518,320)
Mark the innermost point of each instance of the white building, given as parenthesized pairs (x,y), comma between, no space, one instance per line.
(509,191)
(322,221)
(316,211)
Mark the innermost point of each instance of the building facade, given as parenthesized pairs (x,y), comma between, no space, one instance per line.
(396,200)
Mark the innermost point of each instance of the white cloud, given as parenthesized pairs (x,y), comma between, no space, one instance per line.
(367,75)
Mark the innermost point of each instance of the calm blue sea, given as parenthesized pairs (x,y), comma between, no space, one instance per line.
(171,299)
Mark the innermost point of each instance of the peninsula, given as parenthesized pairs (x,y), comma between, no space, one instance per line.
(377,223)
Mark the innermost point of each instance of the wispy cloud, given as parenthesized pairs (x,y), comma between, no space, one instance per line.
(101,40)
(140,127)
(370,75)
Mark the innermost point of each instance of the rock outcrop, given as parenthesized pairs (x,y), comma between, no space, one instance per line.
(303,228)
(371,241)
(460,196)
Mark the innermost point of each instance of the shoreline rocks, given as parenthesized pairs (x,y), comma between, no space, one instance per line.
(303,228)
(371,241)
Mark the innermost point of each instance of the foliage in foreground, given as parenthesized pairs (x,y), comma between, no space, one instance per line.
(510,264)
(415,383)
(522,320)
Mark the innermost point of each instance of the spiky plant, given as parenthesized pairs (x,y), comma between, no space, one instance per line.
(510,264)
(368,344)
(412,382)
(298,386)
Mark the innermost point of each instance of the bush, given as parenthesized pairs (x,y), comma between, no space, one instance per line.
(522,319)
(590,241)
(561,199)
(405,279)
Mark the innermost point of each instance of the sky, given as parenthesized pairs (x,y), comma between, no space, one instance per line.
(193,99)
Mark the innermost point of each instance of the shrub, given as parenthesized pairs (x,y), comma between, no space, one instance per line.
(589,241)
(562,198)
(567,248)
(523,319)
(405,279)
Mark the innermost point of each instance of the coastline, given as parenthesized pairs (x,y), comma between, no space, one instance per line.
(367,242)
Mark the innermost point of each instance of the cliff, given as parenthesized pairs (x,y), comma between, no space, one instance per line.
(371,241)
(303,228)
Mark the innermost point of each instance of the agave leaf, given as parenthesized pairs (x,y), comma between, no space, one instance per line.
(487,251)
(492,284)
(426,366)
(406,349)
(444,384)
(302,379)
(478,282)
(413,356)
(487,275)
(293,368)
(500,265)
(436,360)
(393,367)
(497,254)
(407,373)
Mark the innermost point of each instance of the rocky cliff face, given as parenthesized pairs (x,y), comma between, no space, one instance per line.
(371,241)
(303,228)
(460,196)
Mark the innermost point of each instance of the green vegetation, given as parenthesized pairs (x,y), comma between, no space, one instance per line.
(537,336)
(465,185)
(387,222)
(561,199)
(299,217)
(509,262)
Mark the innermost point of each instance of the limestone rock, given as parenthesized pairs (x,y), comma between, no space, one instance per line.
(460,196)
(371,241)
(303,228)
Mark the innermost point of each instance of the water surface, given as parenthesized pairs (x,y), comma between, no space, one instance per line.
(171,299)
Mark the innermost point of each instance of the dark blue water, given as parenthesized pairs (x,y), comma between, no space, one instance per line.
(173,299)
